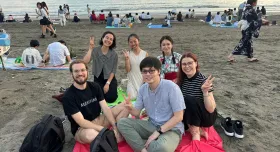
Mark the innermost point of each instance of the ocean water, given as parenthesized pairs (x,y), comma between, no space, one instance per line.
(19,7)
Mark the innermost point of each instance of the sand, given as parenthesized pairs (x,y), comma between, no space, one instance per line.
(244,91)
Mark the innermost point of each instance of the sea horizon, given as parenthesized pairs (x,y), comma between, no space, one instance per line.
(18,8)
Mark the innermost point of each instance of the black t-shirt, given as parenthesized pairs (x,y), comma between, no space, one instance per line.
(85,101)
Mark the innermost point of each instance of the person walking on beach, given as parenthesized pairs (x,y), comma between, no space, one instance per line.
(61,15)
(251,27)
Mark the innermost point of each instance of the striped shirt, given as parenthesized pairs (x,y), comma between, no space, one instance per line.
(169,66)
(192,86)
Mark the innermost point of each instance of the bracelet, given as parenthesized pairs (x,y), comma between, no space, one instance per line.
(108,82)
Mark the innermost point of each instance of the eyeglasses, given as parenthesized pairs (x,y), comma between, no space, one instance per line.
(188,64)
(151,71)
(78,71)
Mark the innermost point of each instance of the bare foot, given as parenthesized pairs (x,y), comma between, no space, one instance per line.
(203,133)
(253,60)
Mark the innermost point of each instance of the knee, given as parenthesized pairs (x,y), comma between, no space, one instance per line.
(158,147)
(123,123)
(194,130)
(89,136)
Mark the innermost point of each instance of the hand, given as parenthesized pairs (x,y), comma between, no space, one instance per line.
(207,84)
(106,88)
(151,138)
(127,102)
(118,136)
(91,42)
(125,54)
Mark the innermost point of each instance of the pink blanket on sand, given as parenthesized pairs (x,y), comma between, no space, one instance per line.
(213,144)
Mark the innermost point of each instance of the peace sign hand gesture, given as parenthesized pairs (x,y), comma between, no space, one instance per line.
(125,54)
(207,84)
(91,42)
(127,102)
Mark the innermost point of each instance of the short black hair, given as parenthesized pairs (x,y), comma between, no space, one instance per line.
(251,1)
(114,40)
(34,43)
(62,41)
(150,62)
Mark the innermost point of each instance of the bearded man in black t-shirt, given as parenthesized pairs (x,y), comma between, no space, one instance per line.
(83,103)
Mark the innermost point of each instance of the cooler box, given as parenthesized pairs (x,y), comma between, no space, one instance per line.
(4,39)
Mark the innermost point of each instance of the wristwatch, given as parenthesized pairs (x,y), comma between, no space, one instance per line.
(108,82)
(159,130)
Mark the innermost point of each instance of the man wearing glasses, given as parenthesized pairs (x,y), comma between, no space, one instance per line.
(164,104)
(83,102)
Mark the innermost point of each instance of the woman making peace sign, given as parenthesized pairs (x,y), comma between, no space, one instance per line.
(132,63)
(197,91)
(104,65)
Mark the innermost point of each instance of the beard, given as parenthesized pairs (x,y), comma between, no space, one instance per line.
(80,82)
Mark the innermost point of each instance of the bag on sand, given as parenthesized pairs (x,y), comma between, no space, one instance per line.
(46,136)
(105,141)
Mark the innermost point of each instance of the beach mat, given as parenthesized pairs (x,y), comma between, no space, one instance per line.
(110,27)
(10,64)
(156,26)
(234,25)
(120,98)
(213,144)
(174,21)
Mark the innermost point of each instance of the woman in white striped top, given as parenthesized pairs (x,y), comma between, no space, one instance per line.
(200,110)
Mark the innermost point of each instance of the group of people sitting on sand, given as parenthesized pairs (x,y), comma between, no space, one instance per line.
(176,96)
(57,54)
(116,21)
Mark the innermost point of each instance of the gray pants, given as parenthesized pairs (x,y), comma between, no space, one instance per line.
(136,132)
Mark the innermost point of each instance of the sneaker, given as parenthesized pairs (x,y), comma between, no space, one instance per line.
(42,36)
(51,33)
(238,129)
(55,36)
(227,126)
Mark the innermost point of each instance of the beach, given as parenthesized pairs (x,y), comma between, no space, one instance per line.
(249,92)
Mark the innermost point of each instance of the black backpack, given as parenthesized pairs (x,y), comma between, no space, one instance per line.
(46,136)
(105,141)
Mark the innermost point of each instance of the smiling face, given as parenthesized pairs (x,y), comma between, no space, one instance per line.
(189,66)
(133,43)
(80,73)
(108,40)
(166,47)
(150,75)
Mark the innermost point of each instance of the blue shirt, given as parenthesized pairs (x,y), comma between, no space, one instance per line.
(109,21)
(161,104)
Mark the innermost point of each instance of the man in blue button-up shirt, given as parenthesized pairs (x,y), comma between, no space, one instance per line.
(164,104)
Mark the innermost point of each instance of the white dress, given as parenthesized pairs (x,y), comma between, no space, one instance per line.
(134,76)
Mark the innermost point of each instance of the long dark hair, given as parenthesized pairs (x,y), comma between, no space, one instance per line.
(44,5)
(180,74)
(133,35)
(166,37)
(114,40)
